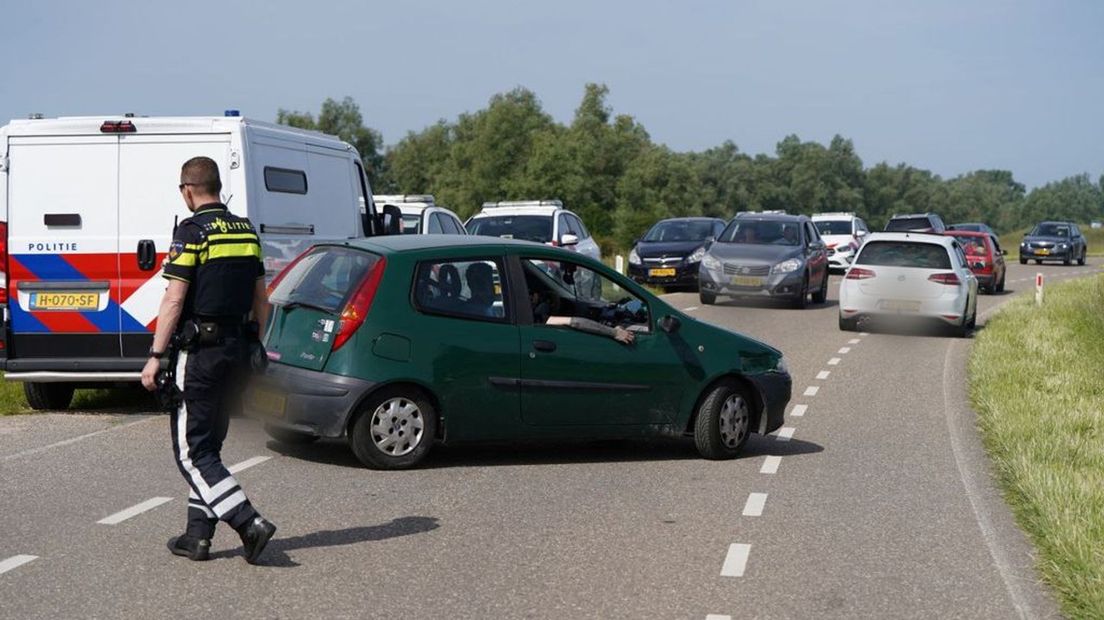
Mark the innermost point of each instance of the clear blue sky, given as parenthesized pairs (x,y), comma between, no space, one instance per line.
(943,84)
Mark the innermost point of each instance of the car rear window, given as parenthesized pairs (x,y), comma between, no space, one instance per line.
(973,246)
(833,227)
(902,224)
(527,227)
(904,254)
(324,279)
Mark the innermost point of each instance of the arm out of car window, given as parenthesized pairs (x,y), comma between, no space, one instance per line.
(623,336)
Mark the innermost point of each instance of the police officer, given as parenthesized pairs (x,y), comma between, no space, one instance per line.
(216,279)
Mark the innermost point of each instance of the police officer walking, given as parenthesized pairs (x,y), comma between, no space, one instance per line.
(216,279)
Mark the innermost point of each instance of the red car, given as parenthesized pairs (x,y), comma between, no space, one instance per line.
(984,257)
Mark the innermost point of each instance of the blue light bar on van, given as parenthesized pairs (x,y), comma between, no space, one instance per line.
(231,113)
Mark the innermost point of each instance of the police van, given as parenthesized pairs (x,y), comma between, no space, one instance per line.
(87,206)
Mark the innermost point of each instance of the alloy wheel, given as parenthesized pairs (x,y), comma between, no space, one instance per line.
(397,426)
(734,420)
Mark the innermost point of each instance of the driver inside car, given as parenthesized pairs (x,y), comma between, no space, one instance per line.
(542,304)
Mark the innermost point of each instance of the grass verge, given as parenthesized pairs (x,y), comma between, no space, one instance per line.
(1037,383)
(13,402)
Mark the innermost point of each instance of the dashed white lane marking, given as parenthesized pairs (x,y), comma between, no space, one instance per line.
(717,617)
(823,374)
(834,361)
(247,463)
(15,561)
(844,350)
(799,410)
(736,560)
(812,390)
(770,465)
(71,440)
(854,341)
(133,511)
(754,505)
(690,309)
(785,433)
(864,333)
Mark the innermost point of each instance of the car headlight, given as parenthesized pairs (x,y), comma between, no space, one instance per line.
(711,262)
(696,255)
(1023,245)
(1061,246)
(634,258)
(787,266)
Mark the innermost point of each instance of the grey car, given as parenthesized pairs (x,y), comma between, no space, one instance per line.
(1050,241)
(773,256)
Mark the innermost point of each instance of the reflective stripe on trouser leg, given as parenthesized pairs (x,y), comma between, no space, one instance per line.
(194,502)
(209,480)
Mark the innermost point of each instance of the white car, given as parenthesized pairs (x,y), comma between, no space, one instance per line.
(543,221)
(843,233)
(421,215)
(908,277)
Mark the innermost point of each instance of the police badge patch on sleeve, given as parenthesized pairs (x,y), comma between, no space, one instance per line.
(176,248)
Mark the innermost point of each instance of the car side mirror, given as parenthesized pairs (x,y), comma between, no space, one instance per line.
(860,233)
(709,241)
(392,220)
(670,324)
(569,239)
(1004,252)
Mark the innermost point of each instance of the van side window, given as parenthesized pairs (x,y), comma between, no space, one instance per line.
(469,289)
(285,180)
(435,224)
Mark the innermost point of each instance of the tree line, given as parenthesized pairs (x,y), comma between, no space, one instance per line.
(606,168)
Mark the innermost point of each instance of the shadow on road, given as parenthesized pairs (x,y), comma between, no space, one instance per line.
(758,445)
(770,304)
(276,553)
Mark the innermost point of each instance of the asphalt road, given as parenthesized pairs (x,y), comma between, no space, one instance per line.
(874,501)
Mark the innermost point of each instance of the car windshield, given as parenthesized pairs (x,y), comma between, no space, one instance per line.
(833,227)
(411,224)
(904,254)
(323,279)
(1051,230)
(903,224)
(527,227)
(680,230)
(762,232)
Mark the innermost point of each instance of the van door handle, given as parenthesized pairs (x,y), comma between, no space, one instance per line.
(545,346)
(147,255)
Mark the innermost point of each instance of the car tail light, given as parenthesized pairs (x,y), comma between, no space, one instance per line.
(357,309)
(950,317)
(949,279)
(3,262)
(858,273)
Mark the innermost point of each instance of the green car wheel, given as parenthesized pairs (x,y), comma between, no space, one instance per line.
(724,421)
(395,429)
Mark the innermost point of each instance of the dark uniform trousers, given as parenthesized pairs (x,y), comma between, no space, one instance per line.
(207,377)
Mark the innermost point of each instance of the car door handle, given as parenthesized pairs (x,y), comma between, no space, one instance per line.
(545,346)
(147,255)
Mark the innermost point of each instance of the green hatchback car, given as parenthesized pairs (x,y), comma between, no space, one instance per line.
(402,342)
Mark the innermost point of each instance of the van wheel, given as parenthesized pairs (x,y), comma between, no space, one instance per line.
(707,298)
(395,429)
(48,396)
(290,437)
(724,421)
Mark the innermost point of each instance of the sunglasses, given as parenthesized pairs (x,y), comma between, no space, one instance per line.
(183,185)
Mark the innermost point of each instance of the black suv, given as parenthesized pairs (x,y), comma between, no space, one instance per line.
(917,222)
(766,255)
(1053,241)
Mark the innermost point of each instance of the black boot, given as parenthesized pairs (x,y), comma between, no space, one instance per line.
(198,549)
(254,536)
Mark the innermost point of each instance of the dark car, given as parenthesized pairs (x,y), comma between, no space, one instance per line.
(1053,241)
(766,255)
(984,258)
(403,342)
(916,222)
(670,253)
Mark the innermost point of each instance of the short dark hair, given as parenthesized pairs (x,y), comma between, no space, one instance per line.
(203,173)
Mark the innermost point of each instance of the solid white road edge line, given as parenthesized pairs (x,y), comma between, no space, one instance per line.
(736,560)
(135,510)
(844,350)
(66,442)
(15,561)
(823,374)
(753,507)
(247,463)
(799,410)
(834,361)
(812,390)
(770,465)
(785,433)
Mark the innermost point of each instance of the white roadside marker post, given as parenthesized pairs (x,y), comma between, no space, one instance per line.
(1038,289)
(619,264)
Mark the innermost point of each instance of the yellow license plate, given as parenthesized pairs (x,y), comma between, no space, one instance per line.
(65,301)
(901,306)
(662,273)
(268,403)
(1042,252)
(747,281)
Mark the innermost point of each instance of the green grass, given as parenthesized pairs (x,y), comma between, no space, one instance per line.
(1037,383)
(1094,239)
(13,402)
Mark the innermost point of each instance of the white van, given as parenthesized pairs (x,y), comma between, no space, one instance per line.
(87,208)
